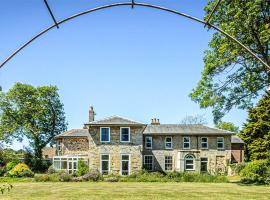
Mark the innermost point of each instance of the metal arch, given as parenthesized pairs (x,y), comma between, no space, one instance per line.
(142,5)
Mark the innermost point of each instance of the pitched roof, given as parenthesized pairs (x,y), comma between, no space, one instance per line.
(190,129)
(74,133)
(236,140)
(115,120)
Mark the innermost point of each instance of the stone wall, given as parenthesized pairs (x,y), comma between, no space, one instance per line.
(217,159)
(74,145)
(115,148)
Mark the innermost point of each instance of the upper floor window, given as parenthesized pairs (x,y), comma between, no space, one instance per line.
(168,142)
(186,142)
(125,134)
(204,142)
(58,147)
(105,134)
(220,142)
(148,142)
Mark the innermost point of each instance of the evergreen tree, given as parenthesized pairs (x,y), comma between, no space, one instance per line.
(256,131)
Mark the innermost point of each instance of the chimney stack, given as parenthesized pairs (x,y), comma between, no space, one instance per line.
(155,121)
(91,114)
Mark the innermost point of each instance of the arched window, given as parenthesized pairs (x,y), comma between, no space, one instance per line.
(189,162)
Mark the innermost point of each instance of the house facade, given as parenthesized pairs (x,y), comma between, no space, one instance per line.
(117,145)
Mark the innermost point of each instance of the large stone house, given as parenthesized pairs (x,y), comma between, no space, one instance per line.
(117,145)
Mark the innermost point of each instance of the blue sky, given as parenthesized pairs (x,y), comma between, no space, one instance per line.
(139,63)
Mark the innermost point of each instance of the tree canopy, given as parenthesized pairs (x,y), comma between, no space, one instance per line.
(231,77)
(32,112)
(196,119)
(229,126)
(256,131)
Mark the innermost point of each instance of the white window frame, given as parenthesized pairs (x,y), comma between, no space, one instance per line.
(186,142)
(223,143)
(152,161)
(121,134)
(59,160)
(129,163)
(59,147)
(165,163)
(193,164)
(168,142)
(151,138)
(101,135)
(204,142)
(109,163)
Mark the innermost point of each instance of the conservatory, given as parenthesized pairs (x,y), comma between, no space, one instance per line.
(68,163)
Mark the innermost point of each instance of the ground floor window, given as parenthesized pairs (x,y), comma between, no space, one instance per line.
(148,162)
(189,162)
(125,164)
(204,162)
(69,164)
(168,163)
(105,164)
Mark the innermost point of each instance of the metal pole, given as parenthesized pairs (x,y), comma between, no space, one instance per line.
(213,11)
(51,13)
(142,5)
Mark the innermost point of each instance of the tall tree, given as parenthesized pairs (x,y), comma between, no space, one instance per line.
(229,126)
(231,77)
(32,112)
(256,131)
(196,119)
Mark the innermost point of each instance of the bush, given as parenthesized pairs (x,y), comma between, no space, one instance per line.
(83,168)
(2,171)
(174,177)
(10,165)
(64,177)
(47,177)
(20,170)
(111,179)
(237,167)
(93,175)
(257,171)
(51,170)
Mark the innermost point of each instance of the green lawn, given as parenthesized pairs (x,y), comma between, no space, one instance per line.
(131,191)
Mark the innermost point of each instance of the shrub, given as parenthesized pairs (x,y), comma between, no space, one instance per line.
(64,177)
(93,175)
(10,165)
(47,177)
(111,179)
(257,171)
(51,170)
(237,167)
(174,177)
(21,170)
(2,171)
(83,168)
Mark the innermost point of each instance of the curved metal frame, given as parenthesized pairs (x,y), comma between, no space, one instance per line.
(132,4)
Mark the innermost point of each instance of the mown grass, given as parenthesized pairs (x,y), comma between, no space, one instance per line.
(133,190)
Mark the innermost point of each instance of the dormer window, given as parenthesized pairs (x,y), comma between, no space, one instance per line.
(125,134)
(104,134)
